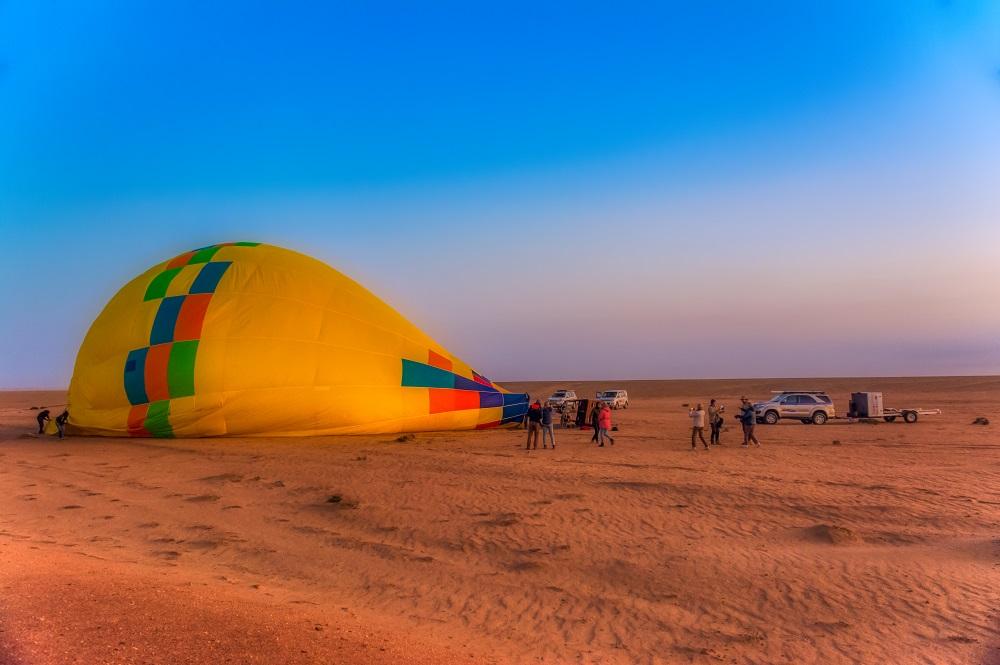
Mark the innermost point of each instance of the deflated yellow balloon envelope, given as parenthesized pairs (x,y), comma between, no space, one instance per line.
(250,339)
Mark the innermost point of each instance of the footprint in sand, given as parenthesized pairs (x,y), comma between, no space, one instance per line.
(222,478)
(503,519)
(522,566)
(203,498)
(829,535)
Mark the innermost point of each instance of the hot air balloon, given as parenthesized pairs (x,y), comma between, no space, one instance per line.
(250,339)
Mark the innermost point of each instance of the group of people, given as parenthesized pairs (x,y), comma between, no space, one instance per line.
(539,420)
(44,416)
(747,418)
(540,424)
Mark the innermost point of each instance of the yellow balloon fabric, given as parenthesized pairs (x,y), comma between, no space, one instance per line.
(254,340)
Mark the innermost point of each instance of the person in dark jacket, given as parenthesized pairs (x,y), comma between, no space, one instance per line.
(715,421)
(748,418)
(595,422)
(42,418)
(534,424)
(61,422)
(547,427)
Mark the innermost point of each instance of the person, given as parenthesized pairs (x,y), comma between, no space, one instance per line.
(534,424)
(715,421)
(524,419)
(42,418)
(604,424)
(61,422)
(748,418)
(547,426)
(697,416)
(595,422)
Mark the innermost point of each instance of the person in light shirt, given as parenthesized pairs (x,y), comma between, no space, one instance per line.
(697,415)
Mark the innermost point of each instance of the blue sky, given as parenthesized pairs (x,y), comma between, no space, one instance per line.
(734,185)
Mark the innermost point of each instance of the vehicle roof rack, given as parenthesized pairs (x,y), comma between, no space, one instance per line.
(808,392)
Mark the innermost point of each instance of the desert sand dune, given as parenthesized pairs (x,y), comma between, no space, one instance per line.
(839,543)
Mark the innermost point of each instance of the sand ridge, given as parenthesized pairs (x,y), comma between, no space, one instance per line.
(462,546)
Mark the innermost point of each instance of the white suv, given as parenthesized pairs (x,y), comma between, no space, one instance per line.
(616,399)
(809,406)
(562,398)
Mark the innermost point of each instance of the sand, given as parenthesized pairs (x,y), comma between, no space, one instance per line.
(840,543)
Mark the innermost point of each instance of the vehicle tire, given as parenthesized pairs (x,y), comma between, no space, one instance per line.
(625,406)
(820,418)
(910,416)
(771,417)
(890,419)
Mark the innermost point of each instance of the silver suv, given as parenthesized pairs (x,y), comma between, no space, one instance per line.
(616,399)
(562,398)
(809,406)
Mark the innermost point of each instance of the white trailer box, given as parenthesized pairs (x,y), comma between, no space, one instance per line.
(867,405)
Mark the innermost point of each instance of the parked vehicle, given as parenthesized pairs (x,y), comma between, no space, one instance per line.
(869,405)
(808,406)
(562,397)
(616,399)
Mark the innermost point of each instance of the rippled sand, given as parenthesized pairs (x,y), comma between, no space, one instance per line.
(838,543)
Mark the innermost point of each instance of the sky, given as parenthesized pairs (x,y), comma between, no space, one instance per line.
(550,190)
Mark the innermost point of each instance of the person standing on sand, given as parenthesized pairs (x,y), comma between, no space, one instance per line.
(547,426)
(697,416)
(715,421)
(61,422)
(748,419)
(534,424)
(42,418)
(595,422)
(604,423)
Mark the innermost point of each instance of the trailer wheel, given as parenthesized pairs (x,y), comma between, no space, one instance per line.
(890,419)
(771,417)
(910,416)
(819,417)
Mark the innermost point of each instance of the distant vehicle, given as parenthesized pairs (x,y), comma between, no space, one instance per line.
(808,406)
(562,398)
(616,399)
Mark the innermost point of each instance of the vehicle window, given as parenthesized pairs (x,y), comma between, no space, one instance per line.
(824,398)
(806,399)
(791,399)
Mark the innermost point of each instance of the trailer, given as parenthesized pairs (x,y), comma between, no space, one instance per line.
(869,405)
